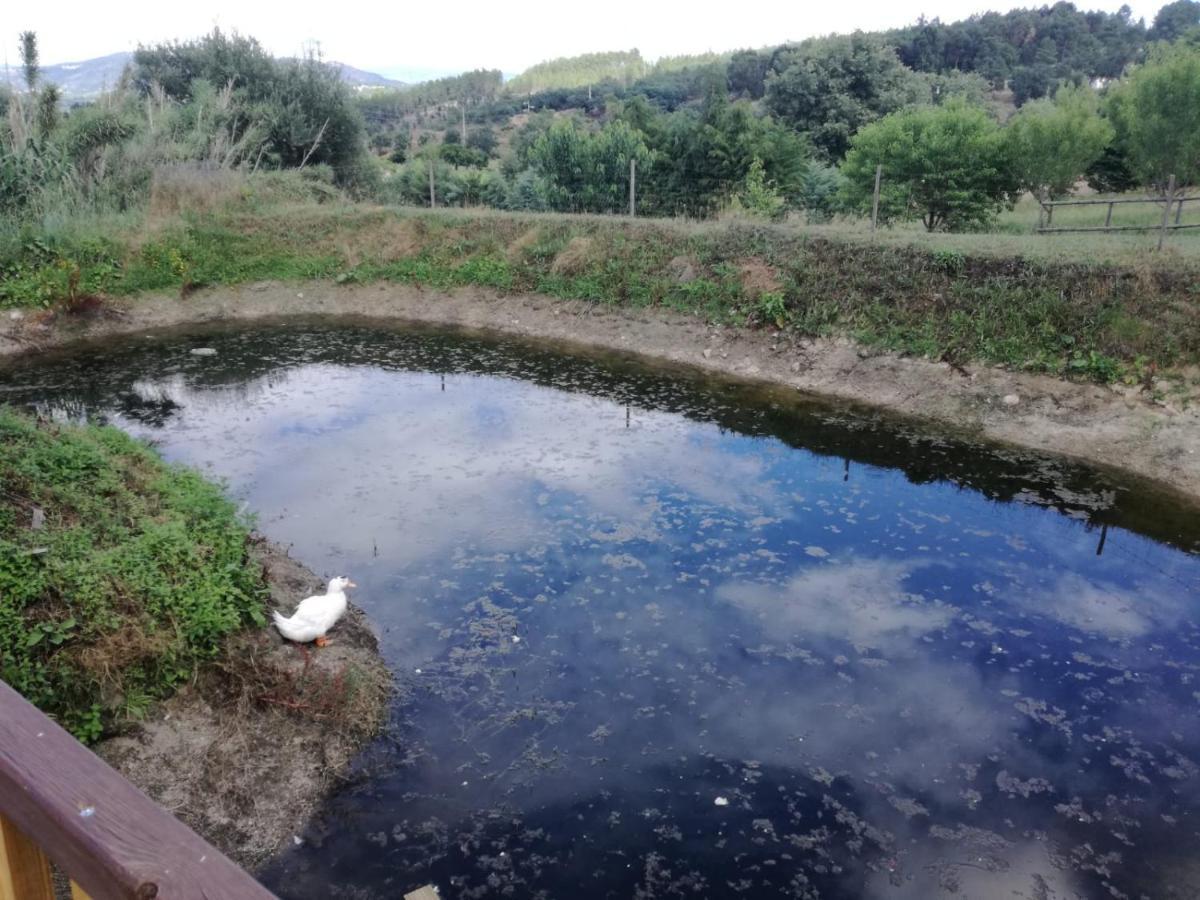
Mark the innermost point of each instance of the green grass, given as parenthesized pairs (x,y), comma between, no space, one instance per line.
(138,572)
(957,297)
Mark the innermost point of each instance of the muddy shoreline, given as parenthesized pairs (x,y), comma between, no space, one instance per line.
(247,752)
(1117,427)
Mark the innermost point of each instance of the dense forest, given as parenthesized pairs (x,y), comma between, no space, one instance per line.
(963,117)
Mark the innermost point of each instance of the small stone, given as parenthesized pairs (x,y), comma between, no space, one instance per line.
(300,295)
(1011,400)
(16,314)
(708,353)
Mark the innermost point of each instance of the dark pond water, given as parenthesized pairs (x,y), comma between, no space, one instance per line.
(663,636)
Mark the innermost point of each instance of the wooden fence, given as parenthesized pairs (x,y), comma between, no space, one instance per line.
(1171,199)
(60,801)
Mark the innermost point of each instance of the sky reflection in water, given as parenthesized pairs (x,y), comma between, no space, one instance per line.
(612,595)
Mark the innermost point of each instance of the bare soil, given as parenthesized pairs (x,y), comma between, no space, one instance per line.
(246,754)
(1152,431)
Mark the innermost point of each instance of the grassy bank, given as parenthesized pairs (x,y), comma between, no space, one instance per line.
(1098,319)
(118,573)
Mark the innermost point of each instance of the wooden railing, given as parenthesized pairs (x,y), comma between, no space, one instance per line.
(59,801)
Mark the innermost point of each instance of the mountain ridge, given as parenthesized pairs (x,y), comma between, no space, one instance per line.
(86,79)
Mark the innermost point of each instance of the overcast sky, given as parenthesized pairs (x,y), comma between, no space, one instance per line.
(466,34)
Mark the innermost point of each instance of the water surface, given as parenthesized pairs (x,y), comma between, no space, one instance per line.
(659,635)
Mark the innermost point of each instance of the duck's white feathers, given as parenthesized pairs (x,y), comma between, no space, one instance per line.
(313,617)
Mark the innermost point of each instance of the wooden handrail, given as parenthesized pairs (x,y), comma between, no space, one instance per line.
(114,842)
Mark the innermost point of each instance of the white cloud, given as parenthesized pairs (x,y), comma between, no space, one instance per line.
(861,601)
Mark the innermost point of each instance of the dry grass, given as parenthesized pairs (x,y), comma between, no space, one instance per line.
(175,190)
(255,670)
(574,257)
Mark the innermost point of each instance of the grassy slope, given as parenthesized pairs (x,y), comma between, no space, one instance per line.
(960,297)
(144,570)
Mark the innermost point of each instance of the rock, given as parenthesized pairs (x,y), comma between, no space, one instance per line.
(1011,400)
(708,352)
(16,315)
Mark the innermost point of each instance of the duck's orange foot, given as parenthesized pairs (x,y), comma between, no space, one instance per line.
(322,642)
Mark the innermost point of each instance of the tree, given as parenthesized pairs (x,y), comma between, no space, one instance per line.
(945,165)
(29,59)
(587,172)
(747,73)
(1110,173)
(702,157)
(1175,19)
(459,155)
(217,58)
(1053,143)
(759,197)
(483,139)
(1156,111)
(830,88)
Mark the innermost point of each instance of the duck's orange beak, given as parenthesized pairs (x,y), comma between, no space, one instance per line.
(351,584)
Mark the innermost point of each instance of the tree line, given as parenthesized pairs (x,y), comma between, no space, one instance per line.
(801,128)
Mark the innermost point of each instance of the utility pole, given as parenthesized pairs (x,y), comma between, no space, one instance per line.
(633,187)
(432,192)
(462,106)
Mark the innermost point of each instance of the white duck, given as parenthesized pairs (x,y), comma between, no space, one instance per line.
(315,615)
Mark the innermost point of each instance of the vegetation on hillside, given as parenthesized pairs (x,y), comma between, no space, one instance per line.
(185,174)
(119,573)
(763,133)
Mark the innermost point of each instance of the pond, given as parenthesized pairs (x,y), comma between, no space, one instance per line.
(663,635)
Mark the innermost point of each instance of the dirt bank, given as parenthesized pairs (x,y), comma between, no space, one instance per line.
(246,753)
(1152,431)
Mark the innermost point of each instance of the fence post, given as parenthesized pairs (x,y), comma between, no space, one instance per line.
(1108,218)
(1179,208)
(1162,234)
(24,872)
(632,187)
(432,191)
(875,199)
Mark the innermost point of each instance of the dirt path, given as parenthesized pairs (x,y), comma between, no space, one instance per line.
(1120,427)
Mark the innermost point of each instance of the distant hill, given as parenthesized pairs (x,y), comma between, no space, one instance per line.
(89,78)
(79,80)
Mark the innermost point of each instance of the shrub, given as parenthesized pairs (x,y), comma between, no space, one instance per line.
(945,165)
